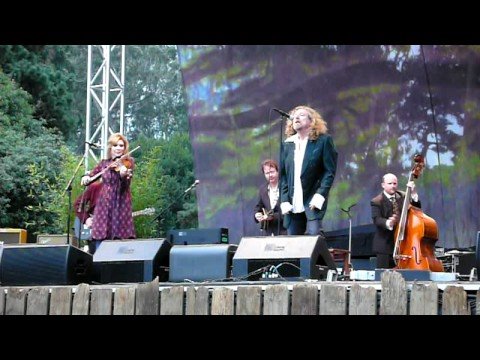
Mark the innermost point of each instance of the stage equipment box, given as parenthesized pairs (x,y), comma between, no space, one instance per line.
(290,257)
(139,260)
(33,264)
(198,236)
(13,236)
(51,239)
(201,262)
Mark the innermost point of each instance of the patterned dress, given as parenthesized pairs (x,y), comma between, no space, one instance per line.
(113,213)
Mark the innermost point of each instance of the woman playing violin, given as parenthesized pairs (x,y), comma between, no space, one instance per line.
(113,213)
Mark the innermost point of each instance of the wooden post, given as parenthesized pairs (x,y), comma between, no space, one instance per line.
(393,298)
(172,301)
(16,301)
(363,300)
(61,301)
(424,299)
(197,301)
(81,300)
(276,300)
(333,300)
(2,300)
(146,298)
(249,300)
(223,301)
(455,301)
(37,301)
(124,301)
(101,302)
(305,299)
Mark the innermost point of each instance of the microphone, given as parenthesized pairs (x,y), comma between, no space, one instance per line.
(94,145)
(192,186)
(283,113)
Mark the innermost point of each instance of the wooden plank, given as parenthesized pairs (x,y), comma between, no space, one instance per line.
(197,301)
(61,301)
(363,300)
(249,300)
(305,299)
(171,301)
(81,300)
(37,301)
(101,302)
(424,299)
(223,301)
(276,300)
(124,301)
(2,300)
(455,301)
(333,300)
(393,298)
(146,298)
(16,301)
(477,305)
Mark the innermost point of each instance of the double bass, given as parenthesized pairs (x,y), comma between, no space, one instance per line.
(416,233)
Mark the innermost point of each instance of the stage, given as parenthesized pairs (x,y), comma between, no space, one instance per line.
(390,296)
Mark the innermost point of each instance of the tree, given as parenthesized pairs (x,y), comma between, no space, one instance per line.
(31,161)
(45,73)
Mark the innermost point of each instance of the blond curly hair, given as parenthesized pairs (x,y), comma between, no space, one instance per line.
(319,126)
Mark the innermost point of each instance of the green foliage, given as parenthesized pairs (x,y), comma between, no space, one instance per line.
(162,174)
(31,161)
(44,72)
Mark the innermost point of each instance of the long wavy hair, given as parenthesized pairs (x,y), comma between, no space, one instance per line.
(319,126)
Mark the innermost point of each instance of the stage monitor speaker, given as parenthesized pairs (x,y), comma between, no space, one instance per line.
(477,254)
(44,265)
(201,262)
(291,257)
(51,239)
(13,236)
(137,260)
(198,236)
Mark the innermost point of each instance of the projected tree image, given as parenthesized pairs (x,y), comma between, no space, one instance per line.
(382,105)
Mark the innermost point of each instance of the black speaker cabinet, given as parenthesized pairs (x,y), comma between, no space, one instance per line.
(137,260)
(198,236)
(201,262)
(44,265)
(293,257)
(477,254)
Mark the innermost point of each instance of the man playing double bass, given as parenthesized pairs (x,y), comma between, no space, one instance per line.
(386,209)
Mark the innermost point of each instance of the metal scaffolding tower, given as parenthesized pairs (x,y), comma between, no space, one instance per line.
(105,89)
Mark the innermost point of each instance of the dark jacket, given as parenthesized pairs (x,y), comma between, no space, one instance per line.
(382,209)
(264,203)
(318,172)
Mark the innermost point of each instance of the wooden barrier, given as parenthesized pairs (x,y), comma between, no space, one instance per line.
(395,297)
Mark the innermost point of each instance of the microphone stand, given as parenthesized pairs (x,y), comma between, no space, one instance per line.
(349,236)
(69,189)
(193,186)
(280,217)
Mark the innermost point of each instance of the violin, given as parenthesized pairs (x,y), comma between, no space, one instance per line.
(123,160)
(119,162)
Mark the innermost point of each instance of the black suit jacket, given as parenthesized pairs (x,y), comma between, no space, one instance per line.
(318,172)
(382,209)
(264,202)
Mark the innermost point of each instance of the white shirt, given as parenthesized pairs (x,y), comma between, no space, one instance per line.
(273,195)
(300,146)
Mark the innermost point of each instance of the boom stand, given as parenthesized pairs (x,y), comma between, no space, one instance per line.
(349,237)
